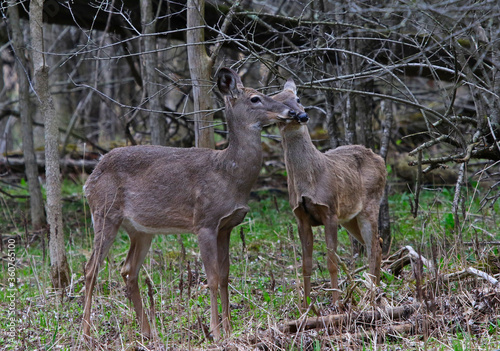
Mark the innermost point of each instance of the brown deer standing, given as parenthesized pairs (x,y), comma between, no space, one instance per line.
(151,190)
(342,186)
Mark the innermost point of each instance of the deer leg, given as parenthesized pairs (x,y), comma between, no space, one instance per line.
(353,229)
(139,247)
(331,235)
(207,240)
(223,257)
(105,233)
(306,239)
(368,224)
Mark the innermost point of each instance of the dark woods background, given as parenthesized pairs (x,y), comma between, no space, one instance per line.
(418,82)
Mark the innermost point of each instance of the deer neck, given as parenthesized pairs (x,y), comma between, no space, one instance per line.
(304,163)
(243,157)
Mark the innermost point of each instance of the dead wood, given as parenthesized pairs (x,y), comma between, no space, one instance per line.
(396,266)
(469,310)
(482,243)
(468,272)
(18,164)
(396,262)
(380,334)
(336,320)
(403,257)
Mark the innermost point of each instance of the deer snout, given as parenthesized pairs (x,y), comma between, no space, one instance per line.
(302,117)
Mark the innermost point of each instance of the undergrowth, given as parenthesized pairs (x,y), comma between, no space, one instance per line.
(265,280)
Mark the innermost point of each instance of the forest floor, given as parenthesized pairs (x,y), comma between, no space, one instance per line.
(439,289)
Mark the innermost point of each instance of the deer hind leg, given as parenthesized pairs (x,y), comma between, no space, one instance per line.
(105,232)
(139,247)
(353,228)
(207,240)
(368,225)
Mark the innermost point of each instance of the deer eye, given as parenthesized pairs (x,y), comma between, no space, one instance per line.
(255,99)
(298,100)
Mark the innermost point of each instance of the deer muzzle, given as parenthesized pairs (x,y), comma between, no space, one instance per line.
(300,117)
(303,117)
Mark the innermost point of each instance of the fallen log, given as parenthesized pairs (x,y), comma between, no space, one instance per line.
(335,320)
(17,163)
(483,243)
(379,334)
(270,341)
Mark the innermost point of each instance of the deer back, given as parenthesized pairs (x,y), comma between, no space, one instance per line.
(169,190)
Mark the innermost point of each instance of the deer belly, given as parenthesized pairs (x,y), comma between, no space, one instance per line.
(347,213)
(130,224)
(316,211)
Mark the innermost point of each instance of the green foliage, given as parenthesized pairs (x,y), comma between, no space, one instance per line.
(265,273)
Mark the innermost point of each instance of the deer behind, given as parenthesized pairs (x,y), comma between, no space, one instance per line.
(342,186)
(151,190)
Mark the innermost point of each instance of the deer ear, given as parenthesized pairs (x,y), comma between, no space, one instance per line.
(290,85)
(229,82)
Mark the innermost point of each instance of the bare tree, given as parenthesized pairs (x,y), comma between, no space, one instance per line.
(58,262)
(149,60)
(31,168)
(436,63)
(200,67)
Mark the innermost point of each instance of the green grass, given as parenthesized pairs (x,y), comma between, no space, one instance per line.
(265,278)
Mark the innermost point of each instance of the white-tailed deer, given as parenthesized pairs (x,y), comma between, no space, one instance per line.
(342,186)
(151,190)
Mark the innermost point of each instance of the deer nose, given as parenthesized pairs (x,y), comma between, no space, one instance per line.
(292,113)
(302,117)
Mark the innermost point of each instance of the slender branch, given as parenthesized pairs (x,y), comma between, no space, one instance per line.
(222,33)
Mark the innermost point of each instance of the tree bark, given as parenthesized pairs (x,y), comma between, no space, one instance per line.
(149,60)
(59,269)
(38,220)
(384,215)
(200,68)
(495,115)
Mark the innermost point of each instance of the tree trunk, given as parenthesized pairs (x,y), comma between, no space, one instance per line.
(332,126)
(200,67)
(31,169)
(385,216)
(349,112)
(495,111)
(149,60)
(347,100)
(59,269)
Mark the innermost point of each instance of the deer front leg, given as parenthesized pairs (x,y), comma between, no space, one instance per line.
(207,240)
(223,256)
(306,240)
(139,247)
(331,226)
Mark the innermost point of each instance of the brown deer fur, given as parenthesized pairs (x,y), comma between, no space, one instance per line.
(342,186)
(151,190)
